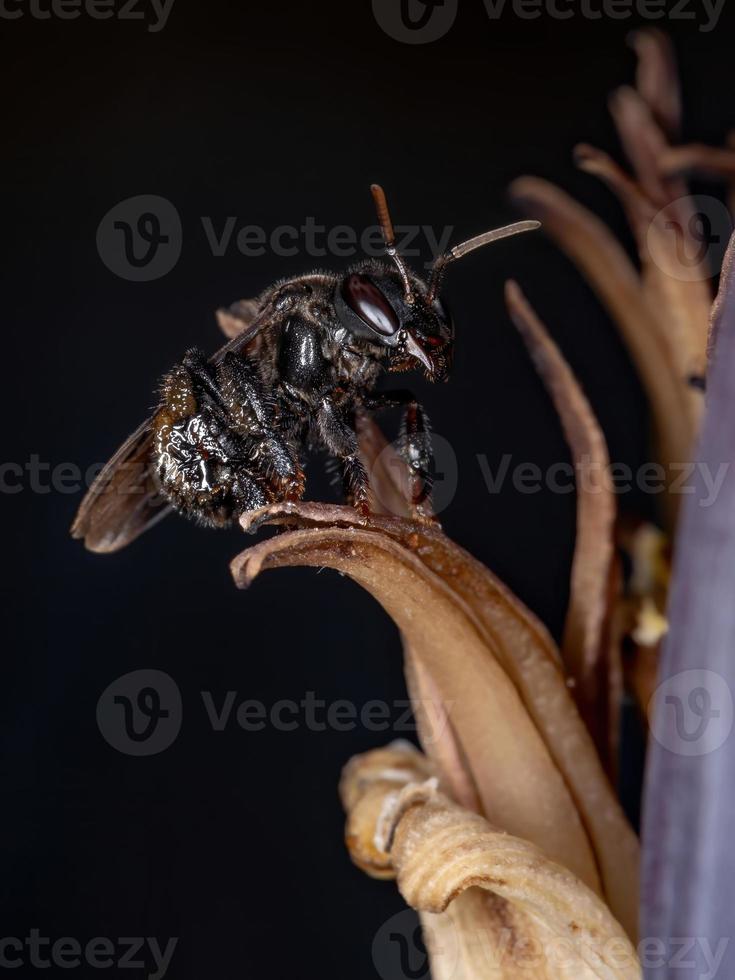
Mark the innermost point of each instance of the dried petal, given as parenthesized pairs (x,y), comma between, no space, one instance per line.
(497,673)
(600,257)
(445,858)
(585,646)
(657,78)
(675,273)
(710,161)
(643,142)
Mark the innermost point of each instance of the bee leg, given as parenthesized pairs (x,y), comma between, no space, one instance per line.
(252,415)
(247,493)
(340,439)
(413,445)
(198,368)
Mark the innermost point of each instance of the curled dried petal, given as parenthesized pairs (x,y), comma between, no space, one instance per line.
(446,857)
(367,790)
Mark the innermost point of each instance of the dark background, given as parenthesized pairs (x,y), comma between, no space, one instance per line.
(273,112)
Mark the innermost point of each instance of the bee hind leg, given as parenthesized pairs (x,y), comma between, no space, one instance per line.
(253,417)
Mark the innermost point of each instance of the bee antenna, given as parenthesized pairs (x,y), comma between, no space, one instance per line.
(386,226)
(440,266)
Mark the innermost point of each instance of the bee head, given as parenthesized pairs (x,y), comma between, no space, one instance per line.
(392,308)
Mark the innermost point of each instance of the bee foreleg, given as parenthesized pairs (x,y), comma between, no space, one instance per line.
(413,444)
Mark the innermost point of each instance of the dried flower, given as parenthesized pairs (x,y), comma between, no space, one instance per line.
(491,904)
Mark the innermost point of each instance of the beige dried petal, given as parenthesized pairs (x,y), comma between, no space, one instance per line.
(497,673)
(493,905)
(440,851)
(431,714)
(367,791)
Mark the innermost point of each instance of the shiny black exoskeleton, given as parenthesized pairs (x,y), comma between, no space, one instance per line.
(302,365)
(229,437)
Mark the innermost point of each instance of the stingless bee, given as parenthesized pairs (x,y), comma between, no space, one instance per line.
(230,431)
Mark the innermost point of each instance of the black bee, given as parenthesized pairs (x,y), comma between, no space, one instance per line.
(302,364)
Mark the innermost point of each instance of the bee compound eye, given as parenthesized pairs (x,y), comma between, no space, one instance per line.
(368,302)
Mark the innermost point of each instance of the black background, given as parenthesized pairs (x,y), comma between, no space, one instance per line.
(273,112)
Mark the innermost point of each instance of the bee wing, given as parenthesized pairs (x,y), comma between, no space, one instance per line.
(124,500)
(237,318)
